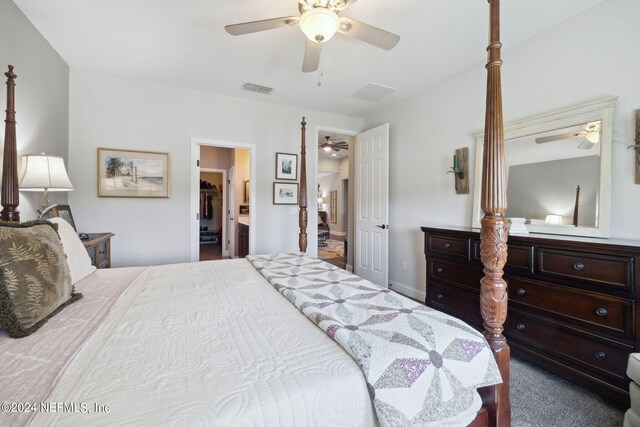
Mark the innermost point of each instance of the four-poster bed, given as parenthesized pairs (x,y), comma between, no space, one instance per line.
(495,410)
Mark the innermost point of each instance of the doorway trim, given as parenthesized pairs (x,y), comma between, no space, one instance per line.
(225,249)
(348,132)
(194,235)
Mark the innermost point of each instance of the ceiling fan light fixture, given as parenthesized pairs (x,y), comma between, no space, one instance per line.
(326,148)
(319,24)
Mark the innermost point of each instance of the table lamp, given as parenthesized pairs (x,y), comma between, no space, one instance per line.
(42,172)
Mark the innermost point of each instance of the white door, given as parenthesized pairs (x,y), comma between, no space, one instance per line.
(231,224)
(372,205)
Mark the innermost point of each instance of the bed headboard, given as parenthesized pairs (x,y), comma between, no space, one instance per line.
(10,194)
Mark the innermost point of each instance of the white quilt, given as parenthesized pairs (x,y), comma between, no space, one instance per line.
(210,344)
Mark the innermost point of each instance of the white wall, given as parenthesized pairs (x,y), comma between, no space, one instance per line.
(116,112)
(42,96)
(592,55)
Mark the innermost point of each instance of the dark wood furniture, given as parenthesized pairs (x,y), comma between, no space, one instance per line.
(573,300)
(98,246)
(324,231)
(243,240)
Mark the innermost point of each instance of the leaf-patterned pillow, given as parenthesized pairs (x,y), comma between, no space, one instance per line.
(35,282)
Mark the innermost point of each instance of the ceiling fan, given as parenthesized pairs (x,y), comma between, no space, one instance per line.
(591,135)
(319,21)
(329,145)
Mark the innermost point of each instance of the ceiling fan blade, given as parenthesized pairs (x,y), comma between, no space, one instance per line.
(368,34)
(551,138)
(311,57)
(264,25)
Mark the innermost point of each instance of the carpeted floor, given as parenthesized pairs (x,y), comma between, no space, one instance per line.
(542,399)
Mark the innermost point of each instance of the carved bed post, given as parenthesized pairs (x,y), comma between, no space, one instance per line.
(10,194)
(302,239)
(493,245)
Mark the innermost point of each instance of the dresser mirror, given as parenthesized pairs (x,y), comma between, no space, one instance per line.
(558,170)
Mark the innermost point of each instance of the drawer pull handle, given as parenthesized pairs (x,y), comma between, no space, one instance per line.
(439,296)
(601,355)
(520,327)
(600,311)
(578,266)
(439,270)
(521,292)
(447,245)
(102,252)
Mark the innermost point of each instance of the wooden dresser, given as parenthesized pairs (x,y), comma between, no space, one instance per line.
(572,301)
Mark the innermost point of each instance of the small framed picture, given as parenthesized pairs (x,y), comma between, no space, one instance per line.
(287,166)
(285,193)
(64,212)
(131,173)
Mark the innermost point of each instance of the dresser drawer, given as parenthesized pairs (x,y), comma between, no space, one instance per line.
(459,274)
(601,355)
(610,313)
(456,303)
(614,271)
(454,246)
(520,257)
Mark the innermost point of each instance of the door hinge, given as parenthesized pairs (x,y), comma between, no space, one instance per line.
(198,163)
(228,181)
(228,242)
(197,216)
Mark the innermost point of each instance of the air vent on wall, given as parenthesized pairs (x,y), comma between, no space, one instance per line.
(252,87)
(373,92)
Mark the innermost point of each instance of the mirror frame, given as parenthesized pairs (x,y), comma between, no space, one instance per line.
(597,110)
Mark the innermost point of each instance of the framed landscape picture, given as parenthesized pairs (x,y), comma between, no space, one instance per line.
(285,193)
(287,166)
(129,173)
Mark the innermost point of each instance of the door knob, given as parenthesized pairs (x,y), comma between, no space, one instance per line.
(382,226)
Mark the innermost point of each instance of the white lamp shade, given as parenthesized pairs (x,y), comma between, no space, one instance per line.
(553,219)
(39,172)
(319,24)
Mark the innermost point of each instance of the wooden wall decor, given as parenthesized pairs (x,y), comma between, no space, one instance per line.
(333,206)
(302,216)
(493,236)
(637,147)
(10,192)
(462,172)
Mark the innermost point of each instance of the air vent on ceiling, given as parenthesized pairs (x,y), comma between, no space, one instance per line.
(252,87)
(373,92)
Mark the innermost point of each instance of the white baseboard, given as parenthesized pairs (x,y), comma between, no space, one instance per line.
(408,291)
(349,268)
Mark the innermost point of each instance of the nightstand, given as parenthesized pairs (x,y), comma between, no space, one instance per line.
(99,248)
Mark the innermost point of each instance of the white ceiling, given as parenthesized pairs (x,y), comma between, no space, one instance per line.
(183,43)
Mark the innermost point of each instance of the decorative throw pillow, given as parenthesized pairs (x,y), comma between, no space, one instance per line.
(77,257)
(35,281)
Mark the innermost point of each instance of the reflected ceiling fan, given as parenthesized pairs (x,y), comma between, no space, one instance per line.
(591,135)
(319,21)
(329,145)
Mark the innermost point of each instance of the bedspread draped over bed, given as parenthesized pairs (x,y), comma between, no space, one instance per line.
(210,344)
(422,366)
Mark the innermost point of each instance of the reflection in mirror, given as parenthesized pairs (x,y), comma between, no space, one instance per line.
(558,170)
(554,176)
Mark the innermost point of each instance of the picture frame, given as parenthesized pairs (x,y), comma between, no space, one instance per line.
(287,166)
(133,173)
(64,212)
(285,193)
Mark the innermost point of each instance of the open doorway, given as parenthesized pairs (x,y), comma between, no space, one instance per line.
(213,214)
(335,209)
(222,199)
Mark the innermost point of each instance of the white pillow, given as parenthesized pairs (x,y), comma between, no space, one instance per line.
(77,256)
